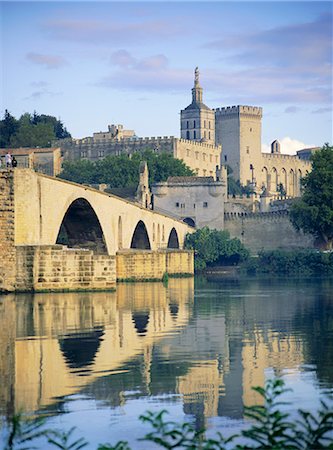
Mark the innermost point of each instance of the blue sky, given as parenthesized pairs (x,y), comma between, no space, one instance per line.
(96,63)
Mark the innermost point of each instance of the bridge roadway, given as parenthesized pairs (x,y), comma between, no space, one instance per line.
(95,229)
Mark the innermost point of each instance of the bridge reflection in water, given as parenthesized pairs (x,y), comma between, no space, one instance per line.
(147,338)
(54,344)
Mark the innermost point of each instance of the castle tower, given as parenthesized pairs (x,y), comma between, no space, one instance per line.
(197,121)
(238,129)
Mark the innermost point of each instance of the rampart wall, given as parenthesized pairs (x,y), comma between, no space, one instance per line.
(266,231)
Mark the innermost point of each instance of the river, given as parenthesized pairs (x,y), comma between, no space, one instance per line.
(195,347)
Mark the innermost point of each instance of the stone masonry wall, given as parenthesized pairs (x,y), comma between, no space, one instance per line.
(266,231)
(7,232)
(56,268)
(145,264)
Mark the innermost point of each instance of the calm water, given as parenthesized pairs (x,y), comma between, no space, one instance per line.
(98,360)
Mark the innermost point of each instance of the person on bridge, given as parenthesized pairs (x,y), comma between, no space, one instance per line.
(14,162)
(8,159)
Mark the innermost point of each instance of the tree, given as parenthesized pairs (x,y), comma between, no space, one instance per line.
(8,127)
(215,247)
(313,212)
(123,171)
(30,130)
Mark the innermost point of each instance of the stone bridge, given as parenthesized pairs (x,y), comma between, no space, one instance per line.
(45,219)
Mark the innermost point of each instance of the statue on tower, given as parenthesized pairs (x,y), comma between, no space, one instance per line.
(196,75)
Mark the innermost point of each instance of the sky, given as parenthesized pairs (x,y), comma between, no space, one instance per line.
(92,64)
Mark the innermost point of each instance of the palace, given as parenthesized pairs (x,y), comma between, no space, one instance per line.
(209,138)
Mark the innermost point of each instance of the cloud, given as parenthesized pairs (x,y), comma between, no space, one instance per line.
(125,60)
(288,146)
(284,64)
(296,45)
(322,111)
(39,84)
(292,110)
(36,95)
(238,87)
(49,61)
(112,32)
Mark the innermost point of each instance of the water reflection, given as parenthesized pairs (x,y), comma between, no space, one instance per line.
(204,345)
(50,341)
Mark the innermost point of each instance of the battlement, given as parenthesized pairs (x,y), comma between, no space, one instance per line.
(200,144)
(113,141)
(284,157)
(271,215)
(239,110)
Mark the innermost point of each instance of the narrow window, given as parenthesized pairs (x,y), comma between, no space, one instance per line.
(225,158)
(187,125)
(177,204)
(193,123)
(205,205)
(194,134)
(187,135)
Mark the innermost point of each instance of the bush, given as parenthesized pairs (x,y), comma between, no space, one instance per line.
(214,247)
(298,262)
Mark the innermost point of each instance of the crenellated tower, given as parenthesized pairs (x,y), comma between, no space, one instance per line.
(238,129)
(197,121)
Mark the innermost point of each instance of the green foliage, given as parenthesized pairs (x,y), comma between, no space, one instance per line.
(270,429)
(22,432)
(298,262)
(8,127)
(172,435)
(313,212)
(64,440)
(30,130)
(214,247)
(123,171)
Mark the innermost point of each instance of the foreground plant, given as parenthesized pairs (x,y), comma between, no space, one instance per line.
(271,429)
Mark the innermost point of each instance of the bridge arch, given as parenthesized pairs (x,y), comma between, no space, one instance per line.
(80,227)
(173,241)
(140,238)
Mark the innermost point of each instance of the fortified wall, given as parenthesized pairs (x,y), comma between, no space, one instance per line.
(201,157)
(266,231)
